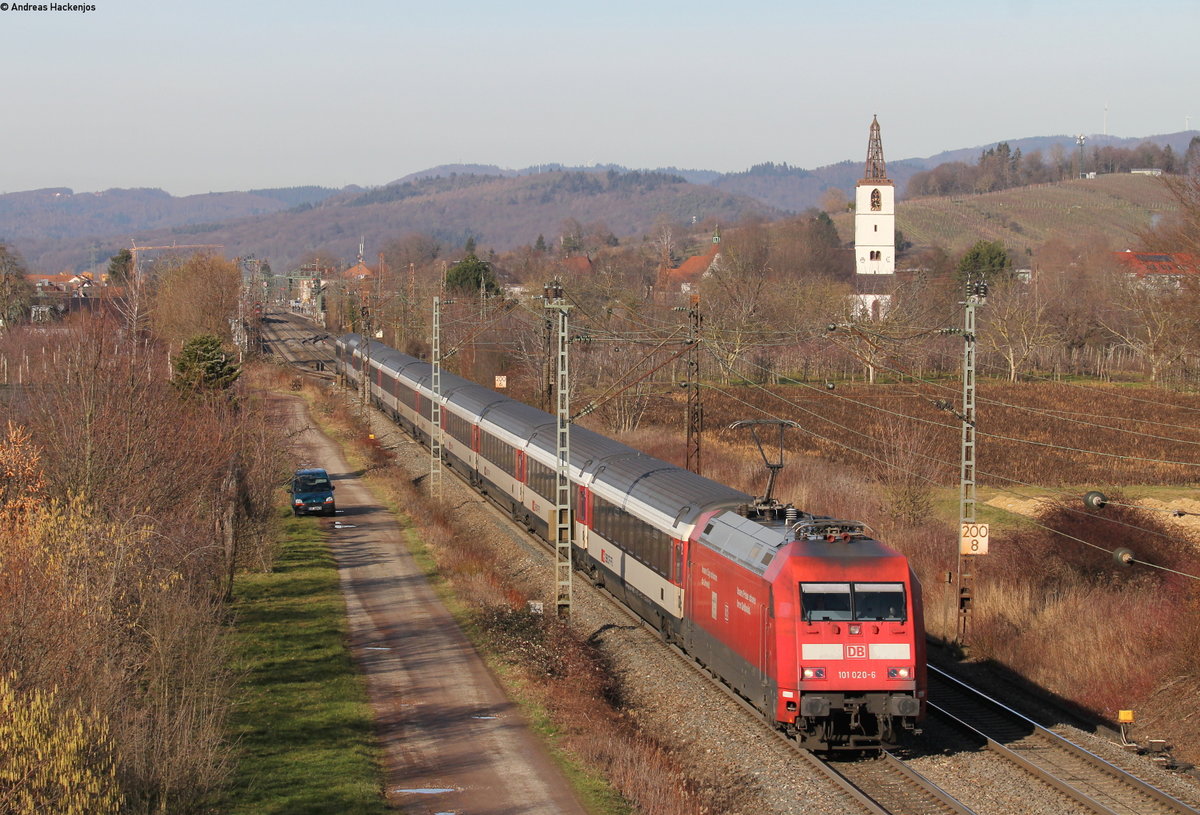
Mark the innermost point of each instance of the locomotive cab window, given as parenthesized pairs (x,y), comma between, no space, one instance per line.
(871,602)
(825,601)
(879,601)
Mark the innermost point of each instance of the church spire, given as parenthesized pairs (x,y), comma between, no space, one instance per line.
(876,170)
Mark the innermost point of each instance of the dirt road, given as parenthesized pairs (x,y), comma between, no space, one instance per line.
(452,741)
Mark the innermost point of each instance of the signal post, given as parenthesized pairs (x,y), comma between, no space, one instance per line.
(973,537)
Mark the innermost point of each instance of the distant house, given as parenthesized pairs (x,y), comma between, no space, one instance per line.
(50,282)
(1162,268)
(359,271)
(1147,171)
(686,276)
(66,282)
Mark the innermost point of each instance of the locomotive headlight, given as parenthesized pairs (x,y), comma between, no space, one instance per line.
(813,673)
(900,673)
(856,629)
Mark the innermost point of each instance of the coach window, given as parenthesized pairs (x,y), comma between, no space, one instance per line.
(879,601)
(825,601)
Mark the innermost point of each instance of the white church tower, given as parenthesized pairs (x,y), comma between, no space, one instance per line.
(875,214)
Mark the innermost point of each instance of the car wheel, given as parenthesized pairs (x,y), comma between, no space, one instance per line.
(332,510)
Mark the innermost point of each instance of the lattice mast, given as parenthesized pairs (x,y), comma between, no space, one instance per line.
(435,406)
(976,296)
(558,307)
(695,406)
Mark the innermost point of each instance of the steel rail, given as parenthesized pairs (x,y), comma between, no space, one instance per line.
(1083,776)
(286,332)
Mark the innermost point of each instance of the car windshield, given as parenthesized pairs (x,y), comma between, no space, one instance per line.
(311,484)
(852,601)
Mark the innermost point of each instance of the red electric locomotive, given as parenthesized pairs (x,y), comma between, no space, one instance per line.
(815,623)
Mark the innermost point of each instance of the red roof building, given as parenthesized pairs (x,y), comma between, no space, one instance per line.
(686,276)
(1161,266)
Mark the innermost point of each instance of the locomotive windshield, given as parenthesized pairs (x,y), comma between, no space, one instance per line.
(852,601)
(826,601)
(879,601)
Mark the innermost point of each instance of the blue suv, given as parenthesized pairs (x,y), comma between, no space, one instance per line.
(312,492)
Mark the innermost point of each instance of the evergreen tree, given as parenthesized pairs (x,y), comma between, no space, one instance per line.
(120,267)
(986,261)
(202,365)
(16,292)
(469,274)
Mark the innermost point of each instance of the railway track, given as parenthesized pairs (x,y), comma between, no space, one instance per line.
(1087,779)
(885,785)
(299,343)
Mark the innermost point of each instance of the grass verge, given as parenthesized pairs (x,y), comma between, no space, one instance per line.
(304,727)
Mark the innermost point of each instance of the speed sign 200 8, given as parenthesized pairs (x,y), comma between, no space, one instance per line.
(973,540)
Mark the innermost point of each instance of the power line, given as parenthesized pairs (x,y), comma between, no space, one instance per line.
(942,462)
(1041,412)
(989,475)
(828,439)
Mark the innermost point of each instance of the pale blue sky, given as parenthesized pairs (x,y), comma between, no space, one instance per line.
(198,97)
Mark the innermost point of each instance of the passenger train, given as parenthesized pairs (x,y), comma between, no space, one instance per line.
(808,618)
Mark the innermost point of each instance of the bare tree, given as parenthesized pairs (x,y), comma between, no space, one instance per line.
(196,296)
(1154,318)
(1016,324)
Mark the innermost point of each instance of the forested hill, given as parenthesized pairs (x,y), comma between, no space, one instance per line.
(59,230)
(58,213)
(1035,160)
(498,212)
